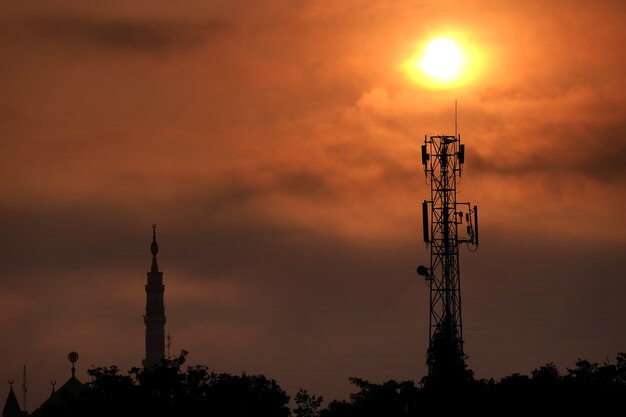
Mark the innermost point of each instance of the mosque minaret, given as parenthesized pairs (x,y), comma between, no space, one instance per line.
(155,310)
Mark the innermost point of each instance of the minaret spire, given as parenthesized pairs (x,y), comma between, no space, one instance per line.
(155,310)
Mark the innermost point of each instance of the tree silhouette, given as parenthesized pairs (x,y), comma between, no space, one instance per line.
(307,405)
(446,361)
(390,399)
(169,389)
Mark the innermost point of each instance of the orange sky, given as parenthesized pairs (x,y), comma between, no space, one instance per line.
(276,144)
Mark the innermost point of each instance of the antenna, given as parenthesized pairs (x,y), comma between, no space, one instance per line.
(456,118)
(24,390)
(169,346)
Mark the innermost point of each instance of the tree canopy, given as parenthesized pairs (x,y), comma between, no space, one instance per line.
(169,389)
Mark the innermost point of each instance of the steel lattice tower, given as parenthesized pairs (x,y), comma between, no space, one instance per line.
(443,217)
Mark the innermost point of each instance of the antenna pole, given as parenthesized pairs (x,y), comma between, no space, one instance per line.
(456,117)
(24,390)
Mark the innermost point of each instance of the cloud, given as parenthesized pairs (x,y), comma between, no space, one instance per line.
(568,152)
(126,34)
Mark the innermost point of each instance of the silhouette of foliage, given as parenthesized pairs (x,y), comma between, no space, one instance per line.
(307,405)
(446,360)
(589,387)
(546,375)
(169,390)
(390,399)
(109,393)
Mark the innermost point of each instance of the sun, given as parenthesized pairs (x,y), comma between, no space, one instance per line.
(442,60)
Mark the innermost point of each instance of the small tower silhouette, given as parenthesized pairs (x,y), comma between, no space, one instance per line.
(155,310)
(11,406)
(60,399)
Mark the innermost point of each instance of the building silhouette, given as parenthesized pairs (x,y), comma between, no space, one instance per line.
(11,405)
(154,320)
(56,404)
(155,310)
(59,400)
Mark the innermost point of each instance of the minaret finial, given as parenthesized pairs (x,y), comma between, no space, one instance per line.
(154,248)
(73,357)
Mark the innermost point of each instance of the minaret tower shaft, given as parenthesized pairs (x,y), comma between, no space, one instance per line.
(444,232)
(155,310)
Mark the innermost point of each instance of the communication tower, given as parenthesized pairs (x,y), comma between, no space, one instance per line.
(447,225)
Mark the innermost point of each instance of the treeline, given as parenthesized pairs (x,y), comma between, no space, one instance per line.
(170,390)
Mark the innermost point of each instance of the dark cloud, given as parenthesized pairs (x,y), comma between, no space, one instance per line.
(545,295)
(51,237)
(569,152)
(240,188)
(127,34)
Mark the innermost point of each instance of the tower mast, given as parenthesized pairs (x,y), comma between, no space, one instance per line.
(443,158)
(154,318)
